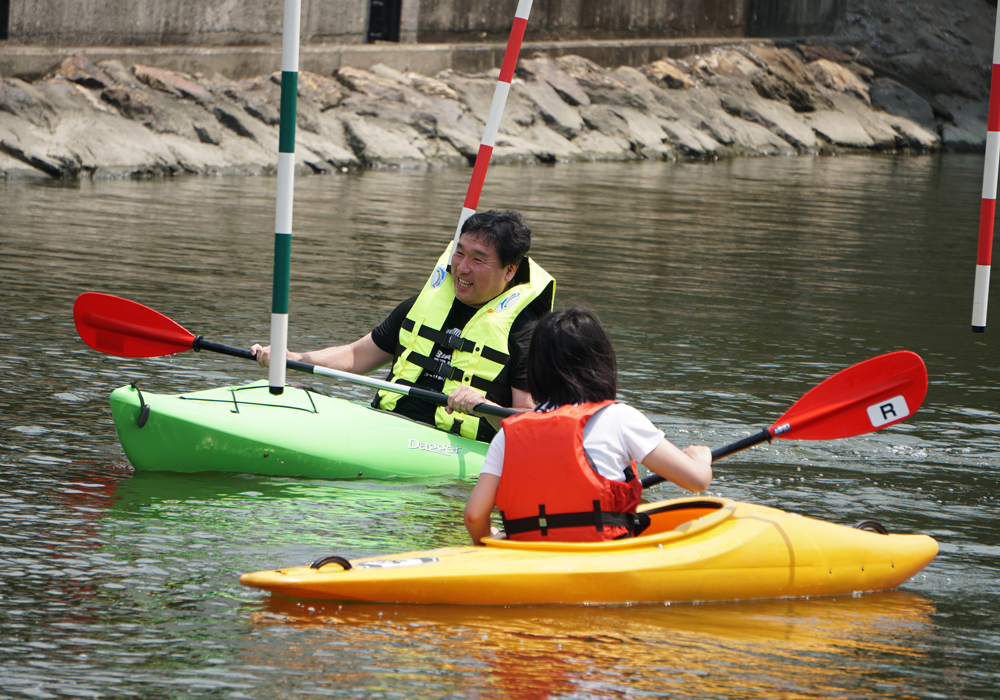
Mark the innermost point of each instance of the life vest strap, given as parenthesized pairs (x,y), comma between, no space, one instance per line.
(444,369)
(635,523)
(456,342)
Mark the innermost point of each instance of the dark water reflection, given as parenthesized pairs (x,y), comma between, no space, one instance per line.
(730,289)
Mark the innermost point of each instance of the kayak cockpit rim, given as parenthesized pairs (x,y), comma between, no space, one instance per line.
(671,520)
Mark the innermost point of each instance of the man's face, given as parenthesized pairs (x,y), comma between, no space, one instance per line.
(477,272)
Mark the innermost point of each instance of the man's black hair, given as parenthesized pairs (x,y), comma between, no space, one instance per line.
(505,229)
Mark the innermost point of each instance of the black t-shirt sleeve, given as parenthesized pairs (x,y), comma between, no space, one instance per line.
(517,347)
(386,334)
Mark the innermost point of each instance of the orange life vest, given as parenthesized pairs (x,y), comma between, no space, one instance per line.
(549,491)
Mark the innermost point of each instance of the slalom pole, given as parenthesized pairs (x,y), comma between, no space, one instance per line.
(496,113)
(987,210)
(286,192)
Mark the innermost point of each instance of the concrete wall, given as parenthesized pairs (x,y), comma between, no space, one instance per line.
(791,17)
(555,20)
(210,23)
(179,22)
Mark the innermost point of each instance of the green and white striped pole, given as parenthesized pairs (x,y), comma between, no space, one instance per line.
(286,192)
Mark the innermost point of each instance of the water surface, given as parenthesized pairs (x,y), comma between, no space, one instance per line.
(729,289)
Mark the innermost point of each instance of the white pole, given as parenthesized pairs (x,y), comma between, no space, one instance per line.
(285,195)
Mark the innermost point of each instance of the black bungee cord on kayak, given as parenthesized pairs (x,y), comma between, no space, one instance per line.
(143,407)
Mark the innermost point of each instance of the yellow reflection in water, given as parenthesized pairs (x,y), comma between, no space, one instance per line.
(784,648)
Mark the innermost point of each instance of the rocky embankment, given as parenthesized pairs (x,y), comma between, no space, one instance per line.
(112,120)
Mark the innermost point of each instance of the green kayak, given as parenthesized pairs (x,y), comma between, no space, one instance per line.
(299,433)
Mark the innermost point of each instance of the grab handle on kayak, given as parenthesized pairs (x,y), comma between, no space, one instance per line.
(333,558)
(143,407)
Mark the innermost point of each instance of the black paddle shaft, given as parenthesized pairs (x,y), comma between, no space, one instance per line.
(199,343)
(717,454)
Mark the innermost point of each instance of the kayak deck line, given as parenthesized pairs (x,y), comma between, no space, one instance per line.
(236,402)
(696,550)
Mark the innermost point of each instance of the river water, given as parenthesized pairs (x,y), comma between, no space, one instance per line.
(729,289)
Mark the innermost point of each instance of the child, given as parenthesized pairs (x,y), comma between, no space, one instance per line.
(566,470)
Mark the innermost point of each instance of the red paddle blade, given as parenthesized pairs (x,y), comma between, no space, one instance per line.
(118,326)
(860,399)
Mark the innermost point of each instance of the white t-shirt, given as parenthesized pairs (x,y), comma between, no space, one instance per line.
(613,437)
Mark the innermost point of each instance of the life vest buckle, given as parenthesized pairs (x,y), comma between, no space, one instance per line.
(443,369)
(453,341)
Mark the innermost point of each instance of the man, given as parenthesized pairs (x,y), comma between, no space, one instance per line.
(466,334)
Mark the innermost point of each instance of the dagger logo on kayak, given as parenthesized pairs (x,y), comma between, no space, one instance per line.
(888,411)
(436,448)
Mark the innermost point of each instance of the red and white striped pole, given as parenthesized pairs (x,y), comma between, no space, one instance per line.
(987,211)
(496,112)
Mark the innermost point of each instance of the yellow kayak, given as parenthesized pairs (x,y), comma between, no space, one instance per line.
(696,549)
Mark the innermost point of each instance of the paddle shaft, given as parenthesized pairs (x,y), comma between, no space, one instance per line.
(200,343)
(717,454)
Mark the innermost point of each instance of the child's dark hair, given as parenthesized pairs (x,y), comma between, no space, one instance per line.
(571,360)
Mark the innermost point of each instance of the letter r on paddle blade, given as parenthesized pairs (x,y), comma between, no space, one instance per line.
(885,412)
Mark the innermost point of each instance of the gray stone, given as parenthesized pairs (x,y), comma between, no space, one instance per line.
(543,68)
(26,101)
(329,145)
(877,125)
(914,135)
(477,93)
(645,134)
(669,74)
(596,146)
(118,73)
(172,83)
(689,140)
(380,143)
(776,87)
(775,116)
(723,68)
(557,114)
(839,129)
(647,92)
(967,131)
(370,84)
(325,93)
(13,169)
(939,72)
(839,78)
(384,71)
(432,87)
(704,111)
(78,69)
(605,120)
(899,100)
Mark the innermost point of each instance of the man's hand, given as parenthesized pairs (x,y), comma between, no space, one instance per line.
(464,399)
(261,354)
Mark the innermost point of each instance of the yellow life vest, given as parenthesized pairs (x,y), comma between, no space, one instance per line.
(478,355)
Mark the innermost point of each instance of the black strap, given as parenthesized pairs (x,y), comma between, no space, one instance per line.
(456,342)
(443,369)
(635,523)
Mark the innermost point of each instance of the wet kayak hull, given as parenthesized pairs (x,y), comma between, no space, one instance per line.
(302,433)
(708,549)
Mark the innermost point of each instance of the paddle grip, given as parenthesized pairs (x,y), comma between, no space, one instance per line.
(199,344)
(718,453)
(442,399)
